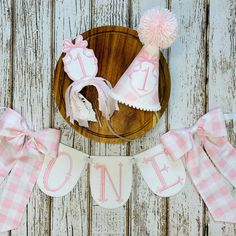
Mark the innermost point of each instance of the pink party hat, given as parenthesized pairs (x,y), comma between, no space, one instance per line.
(138,86)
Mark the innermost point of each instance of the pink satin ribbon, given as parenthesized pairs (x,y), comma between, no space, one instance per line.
(210,135)
(21,154)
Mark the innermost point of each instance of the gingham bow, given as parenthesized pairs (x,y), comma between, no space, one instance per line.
(208,134)
(14,129)
(21,154)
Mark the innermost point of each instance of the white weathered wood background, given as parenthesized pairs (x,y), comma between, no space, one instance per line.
(202,64)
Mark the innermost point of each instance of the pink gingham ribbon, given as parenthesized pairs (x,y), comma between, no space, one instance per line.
(208,134)
(21,154)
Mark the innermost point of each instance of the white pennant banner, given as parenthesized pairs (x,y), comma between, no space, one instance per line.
(163,176)
(110,180)
(111,176)
(59,175)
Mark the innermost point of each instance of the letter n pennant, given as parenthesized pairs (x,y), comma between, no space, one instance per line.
(110,180)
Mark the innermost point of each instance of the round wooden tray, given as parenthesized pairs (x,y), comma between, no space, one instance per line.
(115,48)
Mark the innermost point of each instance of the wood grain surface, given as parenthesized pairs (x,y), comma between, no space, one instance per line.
(188,65)
(202,65)
(115,48)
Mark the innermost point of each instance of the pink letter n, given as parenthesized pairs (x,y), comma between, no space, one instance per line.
(117,191)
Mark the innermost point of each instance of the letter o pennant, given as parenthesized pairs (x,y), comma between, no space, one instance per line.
(59,175)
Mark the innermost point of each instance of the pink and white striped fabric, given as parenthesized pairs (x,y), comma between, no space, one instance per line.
(21,156)
(209,157)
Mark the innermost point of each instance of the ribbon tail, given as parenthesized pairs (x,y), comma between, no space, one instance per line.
(112,106)
(78,108)
(223,155)
(68,105)
(4,171)
(17,191)
(6,161)
(107,105)
(211,185)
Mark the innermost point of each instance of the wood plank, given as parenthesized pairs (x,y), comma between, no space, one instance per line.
(6,38)
(147,211)
(188,70)
(222,87)
(70,214)
(106,12)
(103,221)
(32,86)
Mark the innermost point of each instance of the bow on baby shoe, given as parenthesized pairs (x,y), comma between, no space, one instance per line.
(81,66)
(22,153)
(210,134)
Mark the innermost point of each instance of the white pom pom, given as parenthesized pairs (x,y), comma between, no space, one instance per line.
(158,28)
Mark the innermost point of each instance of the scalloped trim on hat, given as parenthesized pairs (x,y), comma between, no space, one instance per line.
(157,107)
